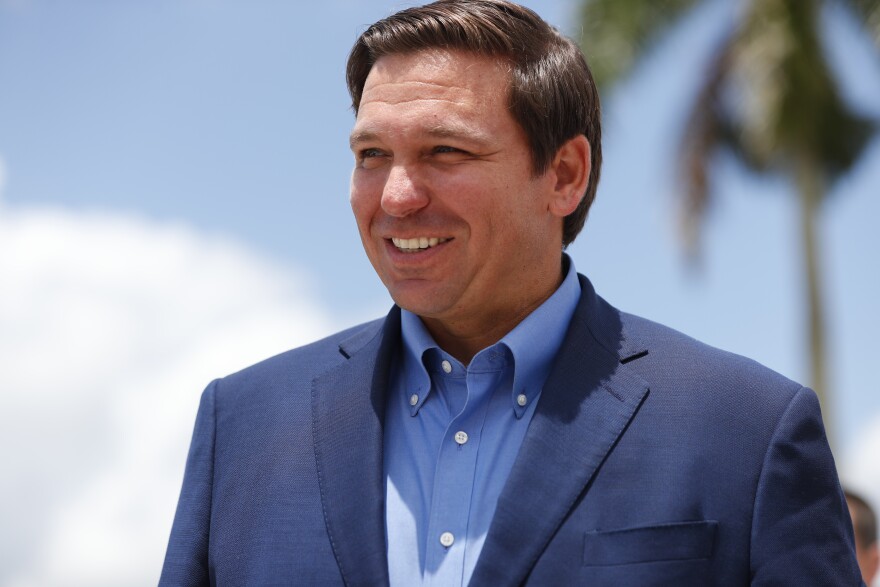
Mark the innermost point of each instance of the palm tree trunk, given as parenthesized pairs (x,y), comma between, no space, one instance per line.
(810,185)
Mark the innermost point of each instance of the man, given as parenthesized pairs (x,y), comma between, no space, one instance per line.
(864,523)
(503,425)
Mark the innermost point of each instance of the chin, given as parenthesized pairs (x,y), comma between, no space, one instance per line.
(426,304)
(416,306)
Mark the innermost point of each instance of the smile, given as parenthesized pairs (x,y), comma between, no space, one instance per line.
(412,245)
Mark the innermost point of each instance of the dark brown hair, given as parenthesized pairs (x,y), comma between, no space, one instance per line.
(552,96)
(864,520)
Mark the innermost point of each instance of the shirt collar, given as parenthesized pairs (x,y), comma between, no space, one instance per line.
(417,341)
(534,343)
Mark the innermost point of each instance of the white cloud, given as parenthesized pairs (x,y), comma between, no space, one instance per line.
(110,327)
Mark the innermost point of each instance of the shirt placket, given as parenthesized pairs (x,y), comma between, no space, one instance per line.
(454,478)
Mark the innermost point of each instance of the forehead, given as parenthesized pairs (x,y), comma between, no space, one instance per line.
(434,83)
(438,71)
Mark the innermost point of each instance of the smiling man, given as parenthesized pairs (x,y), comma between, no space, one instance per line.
(503,424)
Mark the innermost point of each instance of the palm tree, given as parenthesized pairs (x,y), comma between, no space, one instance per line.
(768,96)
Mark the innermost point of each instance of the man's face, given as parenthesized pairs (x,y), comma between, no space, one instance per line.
(448,209)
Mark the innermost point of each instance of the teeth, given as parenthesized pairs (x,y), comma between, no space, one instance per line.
(415,244)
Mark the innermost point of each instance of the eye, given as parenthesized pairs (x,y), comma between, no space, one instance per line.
(446,149)
(369,158)
(445,154)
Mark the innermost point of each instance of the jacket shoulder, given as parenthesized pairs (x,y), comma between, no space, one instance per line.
(298,367)
(689,356)
(677,365)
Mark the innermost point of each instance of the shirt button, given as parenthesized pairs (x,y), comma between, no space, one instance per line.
(413,399)
(521,400)
(446,539)
(447,368)
(461,437)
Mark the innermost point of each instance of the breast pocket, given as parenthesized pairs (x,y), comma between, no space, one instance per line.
(665,542)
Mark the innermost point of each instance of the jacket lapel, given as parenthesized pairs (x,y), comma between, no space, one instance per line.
(348,408)
(585,406)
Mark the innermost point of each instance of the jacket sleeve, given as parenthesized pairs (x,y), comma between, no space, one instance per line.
(186,561)
(801,532)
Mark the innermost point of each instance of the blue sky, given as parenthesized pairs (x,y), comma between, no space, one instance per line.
(226,124)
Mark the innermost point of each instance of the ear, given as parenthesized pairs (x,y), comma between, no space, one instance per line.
(872,561)
(571,170)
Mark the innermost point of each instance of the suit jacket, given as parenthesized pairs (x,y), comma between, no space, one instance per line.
(651,459)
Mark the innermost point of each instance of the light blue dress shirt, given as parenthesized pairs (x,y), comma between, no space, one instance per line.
(452,434)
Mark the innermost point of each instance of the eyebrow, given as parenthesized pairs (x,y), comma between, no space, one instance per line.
(459,131)
(364,136)
(441,131)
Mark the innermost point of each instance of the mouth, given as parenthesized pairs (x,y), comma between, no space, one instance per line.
(414,245)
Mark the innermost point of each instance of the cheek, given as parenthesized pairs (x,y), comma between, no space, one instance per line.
(363,203)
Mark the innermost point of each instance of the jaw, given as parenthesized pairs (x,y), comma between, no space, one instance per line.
(421,280)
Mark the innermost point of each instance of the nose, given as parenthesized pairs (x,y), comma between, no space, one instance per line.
(403,194)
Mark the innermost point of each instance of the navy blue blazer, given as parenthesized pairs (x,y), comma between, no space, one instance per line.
(651,459)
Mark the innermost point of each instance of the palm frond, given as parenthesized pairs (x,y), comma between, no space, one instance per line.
(706,131)
(868,12)
(615,33)
(770,99)
(788,102)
